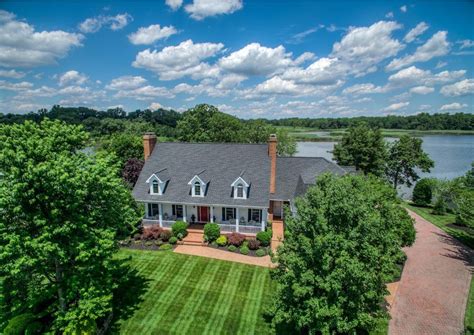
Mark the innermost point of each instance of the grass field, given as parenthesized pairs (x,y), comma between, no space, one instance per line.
(445,222)
(469,316)
(195,295)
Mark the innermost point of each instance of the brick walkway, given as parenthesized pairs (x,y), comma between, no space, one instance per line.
(223,255)
(434,287)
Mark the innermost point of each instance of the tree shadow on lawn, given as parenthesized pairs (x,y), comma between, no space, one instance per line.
(460,252)
(128,295)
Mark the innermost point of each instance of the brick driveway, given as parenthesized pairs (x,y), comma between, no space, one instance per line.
(433,291)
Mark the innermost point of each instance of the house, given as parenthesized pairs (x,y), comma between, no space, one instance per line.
(238,186)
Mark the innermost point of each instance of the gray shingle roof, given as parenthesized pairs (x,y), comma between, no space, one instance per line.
(296,174)
(217,164)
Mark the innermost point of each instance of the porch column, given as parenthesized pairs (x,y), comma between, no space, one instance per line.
(264,215)
(160,214)
(212,214)
(237,219)
(184,213)
(147,215)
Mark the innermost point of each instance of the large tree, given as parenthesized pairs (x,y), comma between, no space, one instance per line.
(362,147)
(340,249)
(405,157)
(62,214)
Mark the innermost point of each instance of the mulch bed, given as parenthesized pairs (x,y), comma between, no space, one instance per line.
(252,253)
(463,228)
(143,245)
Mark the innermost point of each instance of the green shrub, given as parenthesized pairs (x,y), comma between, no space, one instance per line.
(439,207)
(166,247)
(260,252)
(423,192)
(212,231)
(465,215)
(265,237)
(179,229)
(221,241)
(232,248)
(173,240)
(18,324)
(148,243)
(253,244)
(158,242)
(244,250)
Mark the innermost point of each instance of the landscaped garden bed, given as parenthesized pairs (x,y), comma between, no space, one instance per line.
(238,243)
(157,238)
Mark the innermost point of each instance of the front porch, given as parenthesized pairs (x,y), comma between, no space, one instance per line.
(245,220)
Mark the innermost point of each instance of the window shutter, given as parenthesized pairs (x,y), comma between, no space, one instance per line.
(249,215)
(223,213)
(173,210)
(235,214)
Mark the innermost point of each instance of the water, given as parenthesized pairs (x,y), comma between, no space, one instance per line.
(452,154)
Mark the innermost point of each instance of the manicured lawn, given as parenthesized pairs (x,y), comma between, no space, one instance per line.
(469,316)
(195,295)
(445,223)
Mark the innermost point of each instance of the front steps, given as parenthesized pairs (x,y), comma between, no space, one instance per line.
(194,237)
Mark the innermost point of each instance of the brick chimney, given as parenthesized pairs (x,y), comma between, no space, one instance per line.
(272,153)
(149,141)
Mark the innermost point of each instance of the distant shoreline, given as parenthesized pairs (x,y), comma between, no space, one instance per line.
(335,135)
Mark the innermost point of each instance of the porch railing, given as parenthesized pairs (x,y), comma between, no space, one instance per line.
(226,227)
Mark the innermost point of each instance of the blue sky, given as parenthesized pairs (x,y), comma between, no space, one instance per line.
(252,59)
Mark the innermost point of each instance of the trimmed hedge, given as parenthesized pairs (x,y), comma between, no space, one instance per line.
(173,240)
(179,229)
(253,244)
(244,250)
(232,248)
(265,237)
(212,231)
(423,192)
(260,252)
(166,247)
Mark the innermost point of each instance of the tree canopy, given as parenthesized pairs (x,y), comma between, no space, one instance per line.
(363,148)
(340,249)
(62,214)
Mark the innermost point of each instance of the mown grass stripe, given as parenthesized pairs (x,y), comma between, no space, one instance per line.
(251,307)
(214,298)
(220,312)
(169,295)
(196,299)
(154,282)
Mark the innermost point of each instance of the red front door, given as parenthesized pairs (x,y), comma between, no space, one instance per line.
(203,214)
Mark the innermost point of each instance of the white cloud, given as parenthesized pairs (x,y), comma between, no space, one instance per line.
(24,85)
(465,44)
(174,4)
(154,106)
(404,8)
(22,46)
(126,83)
(389,15)
(94,24)
(254,59)
(396,106)
(415,76)
(276,85)
(415,32)
(436,46)
(147,92)
(72,77)
(453,106)
(201,9)
(299,37)
(424,107)
(441,64)
(463,87)
(151,34)
(364,47)
(11,74)
(185,59)
(367,88)
(422,90)
(230,81)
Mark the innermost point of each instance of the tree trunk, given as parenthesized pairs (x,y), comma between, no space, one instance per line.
(59,282)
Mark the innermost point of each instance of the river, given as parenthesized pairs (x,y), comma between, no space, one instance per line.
(452,154)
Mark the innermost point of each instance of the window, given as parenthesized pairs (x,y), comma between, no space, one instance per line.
(197,189)
(240,191)
(228,213)
(153,210)
(178,211)
(155,187)
(255,214)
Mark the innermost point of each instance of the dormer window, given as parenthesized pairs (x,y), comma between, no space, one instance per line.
(155,187)
(241,188)
(197,189)
(240,191)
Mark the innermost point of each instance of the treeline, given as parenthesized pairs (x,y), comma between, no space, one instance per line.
(422,121)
